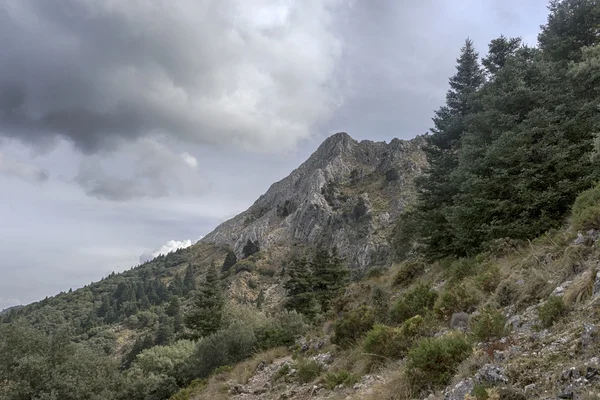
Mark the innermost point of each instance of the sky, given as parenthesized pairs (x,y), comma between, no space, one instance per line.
(131,128)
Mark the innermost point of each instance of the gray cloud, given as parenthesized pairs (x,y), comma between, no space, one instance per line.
(22,170)
(229,71)
(153,171)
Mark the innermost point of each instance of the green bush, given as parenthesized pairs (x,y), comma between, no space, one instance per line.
(224,347)
(488,325)
(488,279)
(343,377)
(433,361)
(551,311)
(352,326)
(408,271)
(281,330)
(307,370)
(389,342)
(460,269)
(385,342)
(585,213)
(418,301)
(455,299)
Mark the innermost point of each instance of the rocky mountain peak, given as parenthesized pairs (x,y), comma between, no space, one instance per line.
(345,195)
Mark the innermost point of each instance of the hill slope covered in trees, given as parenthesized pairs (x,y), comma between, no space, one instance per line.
(474,279)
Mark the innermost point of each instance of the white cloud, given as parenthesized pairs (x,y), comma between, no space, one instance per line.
(165,249)
(189,160)
(22,170)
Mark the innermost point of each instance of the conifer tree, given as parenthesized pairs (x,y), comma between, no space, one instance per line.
(230,261)
(207,311)
(436,188)
(299,287)
(189,280)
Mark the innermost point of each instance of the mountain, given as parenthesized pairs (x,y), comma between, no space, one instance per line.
(347,195)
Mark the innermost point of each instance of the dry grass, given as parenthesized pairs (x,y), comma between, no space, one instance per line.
(216,389)
(581,289)
(395,386)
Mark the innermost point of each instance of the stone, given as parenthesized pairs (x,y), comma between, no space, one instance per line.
(459,320)
(530,389)
(588,334)
(570,374)
(561,289)
(460,390)
(491,373)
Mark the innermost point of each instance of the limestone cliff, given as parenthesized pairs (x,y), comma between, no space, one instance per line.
(345,195)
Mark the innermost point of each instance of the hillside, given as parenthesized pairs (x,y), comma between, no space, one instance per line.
(458,265)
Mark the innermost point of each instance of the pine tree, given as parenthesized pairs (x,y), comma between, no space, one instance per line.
(299,287)
(436,187)
(329,276)
(206,314)
(174,306)
(189,280)
(230,261)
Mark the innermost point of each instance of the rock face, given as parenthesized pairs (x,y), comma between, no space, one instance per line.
(347,195)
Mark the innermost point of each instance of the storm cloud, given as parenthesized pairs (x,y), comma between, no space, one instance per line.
(97,72)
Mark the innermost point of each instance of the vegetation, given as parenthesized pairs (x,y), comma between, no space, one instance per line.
(352,326)
(551,311)
(489,324)
(418,301)
(512,155)
(313,285)
(433,362)
(512,147)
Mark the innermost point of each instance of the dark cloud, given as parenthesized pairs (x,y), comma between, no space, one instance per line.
(206,71)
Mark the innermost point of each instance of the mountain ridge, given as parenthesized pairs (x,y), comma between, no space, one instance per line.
(346,194)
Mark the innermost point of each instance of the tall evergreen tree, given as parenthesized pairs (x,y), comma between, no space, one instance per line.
(300,294)
(189,280)
(436,188)
(206,314)
(329,276)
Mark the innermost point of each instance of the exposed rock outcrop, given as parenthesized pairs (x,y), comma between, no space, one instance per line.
(347,195)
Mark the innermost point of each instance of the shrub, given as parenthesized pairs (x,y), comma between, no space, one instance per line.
(506,293)
(585,213)
(168,360)
(343,377)
(281,331)
(418,301)
(488,279)
(462,268)
(352,326)
(244,265)
(455,299)
(374,272)
(433,361)
(551,311)
(380,301)
(224,347)
(488,325)
(307,370)
(385,342)
(388,342)
(407,272)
